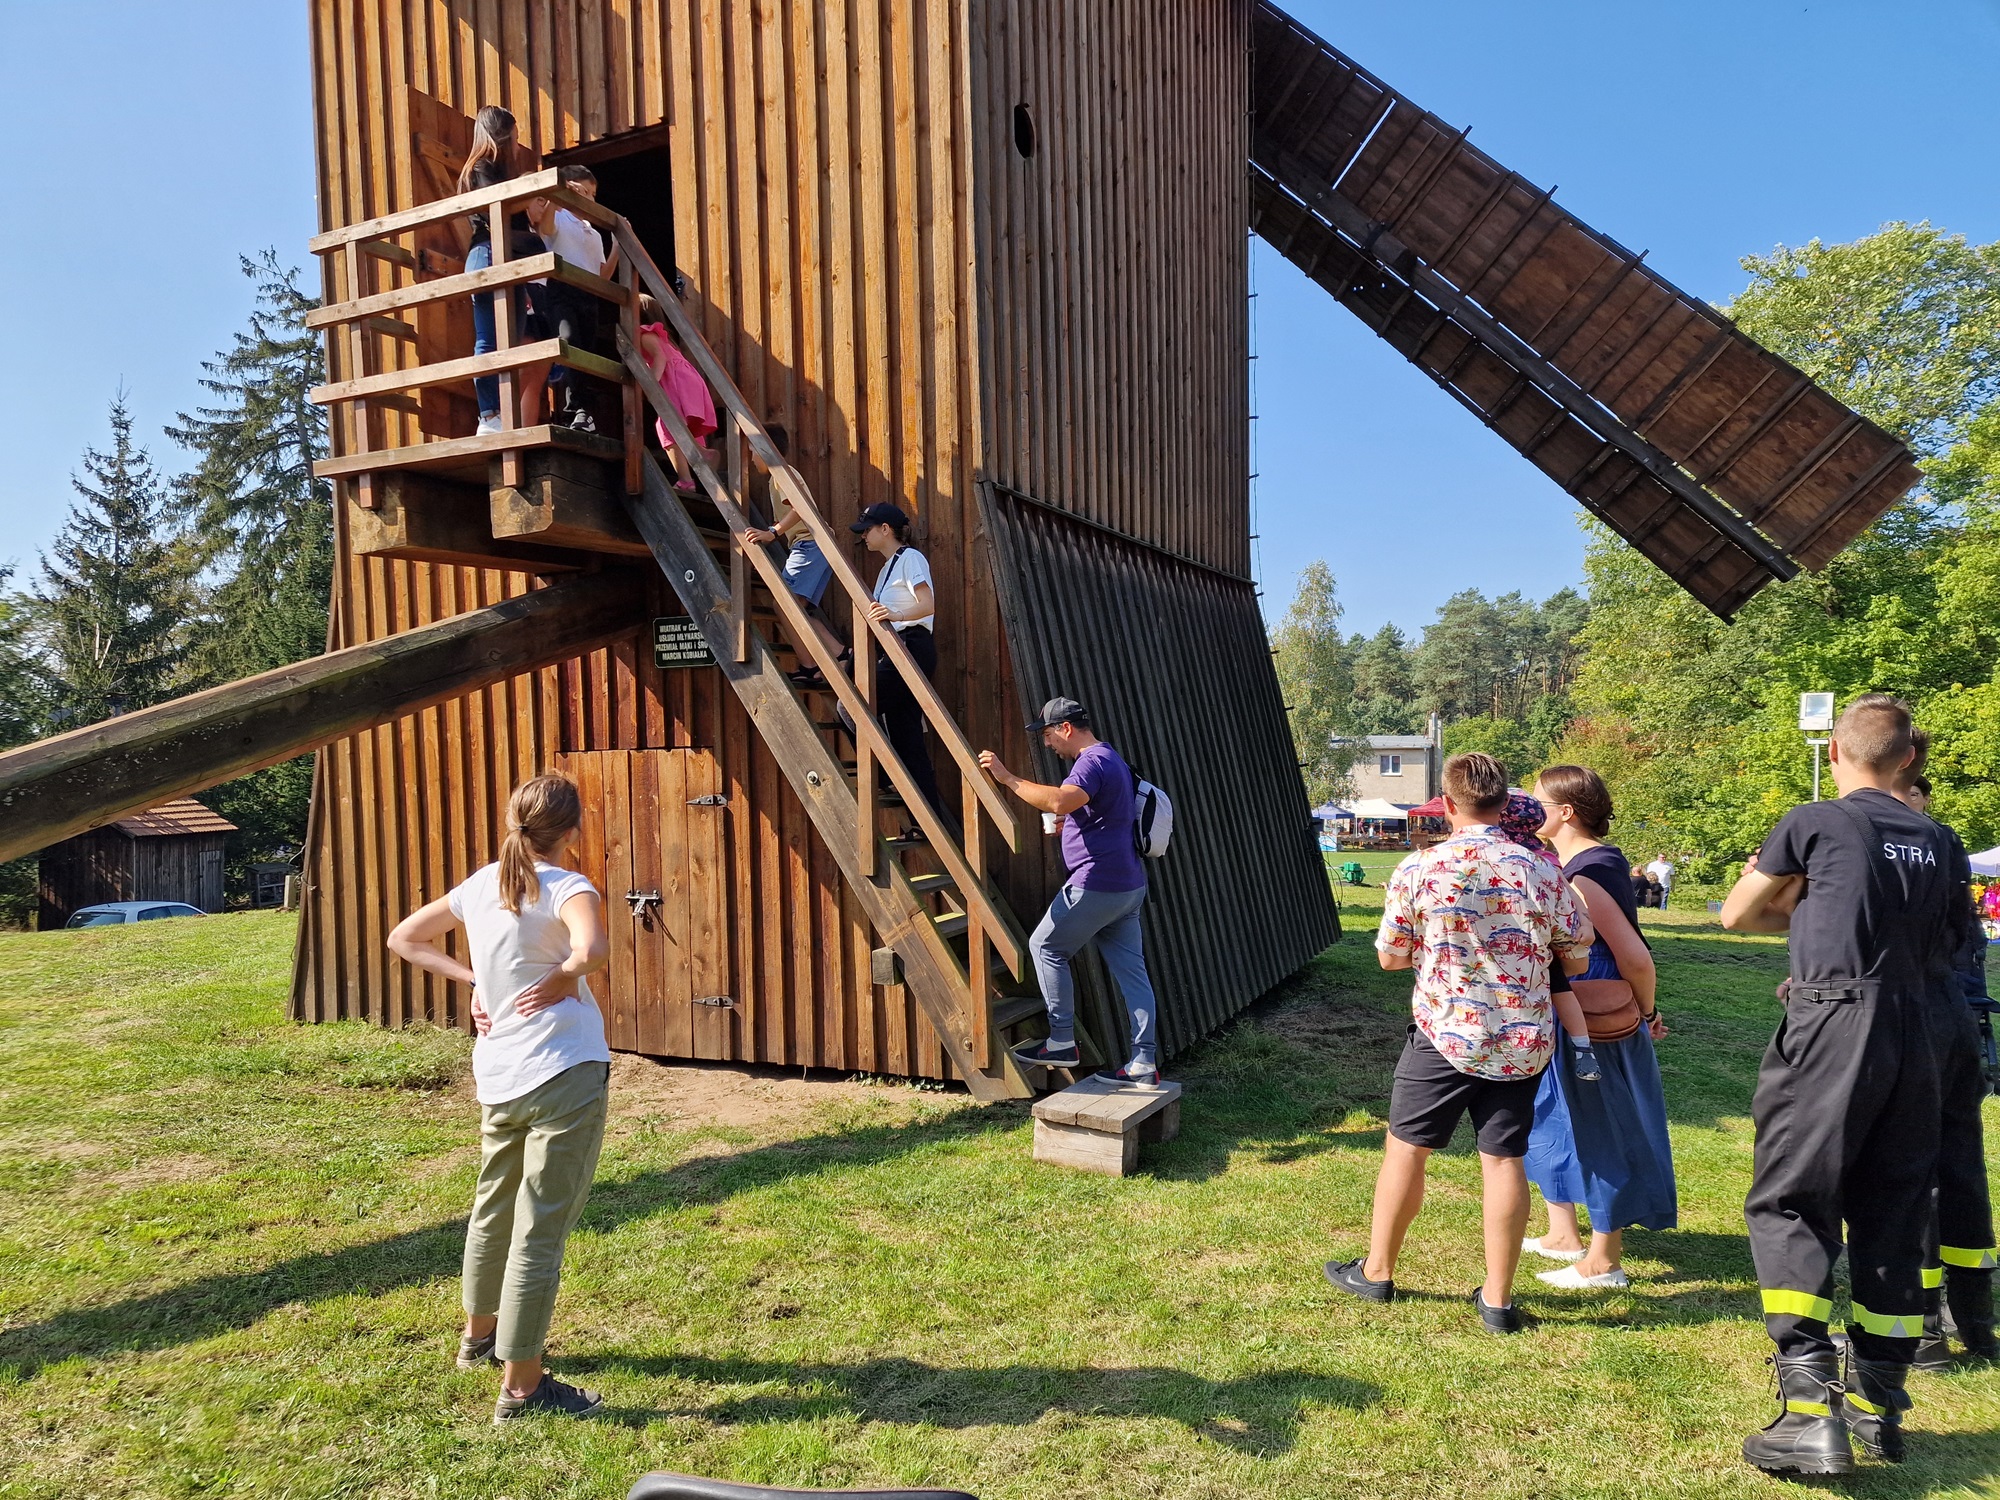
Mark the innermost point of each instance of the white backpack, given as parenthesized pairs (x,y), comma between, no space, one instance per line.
(1152,818)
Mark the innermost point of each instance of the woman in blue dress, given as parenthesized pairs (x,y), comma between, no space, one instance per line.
(1604,1143)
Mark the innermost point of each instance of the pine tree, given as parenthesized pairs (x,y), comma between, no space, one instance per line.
(265,525)
(115,605)
(251,502)
(1316,675)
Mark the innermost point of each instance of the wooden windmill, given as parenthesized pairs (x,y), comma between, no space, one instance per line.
(983,258)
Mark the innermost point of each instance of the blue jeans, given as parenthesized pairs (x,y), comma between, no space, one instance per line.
(484,337)
(1111,920)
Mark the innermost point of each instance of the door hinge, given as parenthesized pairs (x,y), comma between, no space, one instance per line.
(725,1001)
(713,799)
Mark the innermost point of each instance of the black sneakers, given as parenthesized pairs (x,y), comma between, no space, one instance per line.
(1349,1276)
(1497,1319)
(552,1395)
(1042,1055)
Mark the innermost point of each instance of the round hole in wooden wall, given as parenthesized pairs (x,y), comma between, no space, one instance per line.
(1024,131)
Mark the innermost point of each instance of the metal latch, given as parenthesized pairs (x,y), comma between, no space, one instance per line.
(719,1000)
(713,799)
(639,901)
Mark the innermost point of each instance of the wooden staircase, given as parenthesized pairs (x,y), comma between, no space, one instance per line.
(923,882)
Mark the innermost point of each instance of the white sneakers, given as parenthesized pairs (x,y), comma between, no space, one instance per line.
(1570,1279)
(1534,1247)
(487,426)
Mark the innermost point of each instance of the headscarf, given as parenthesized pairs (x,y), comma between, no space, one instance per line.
(1522,821)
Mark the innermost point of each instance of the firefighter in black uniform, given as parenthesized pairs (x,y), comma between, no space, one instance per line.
(1958,1270)
(1846,1105)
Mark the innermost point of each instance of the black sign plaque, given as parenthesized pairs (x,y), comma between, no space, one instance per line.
(678,642)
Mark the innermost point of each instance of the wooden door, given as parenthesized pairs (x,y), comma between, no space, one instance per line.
(653,844)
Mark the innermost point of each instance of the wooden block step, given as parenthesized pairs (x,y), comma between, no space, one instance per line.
(910,840)
(953,925)
(923,885)
(1098,1125)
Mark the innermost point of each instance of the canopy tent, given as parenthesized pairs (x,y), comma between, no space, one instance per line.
(1378,808)
(1431,809)
(1327,812)
(1987,863)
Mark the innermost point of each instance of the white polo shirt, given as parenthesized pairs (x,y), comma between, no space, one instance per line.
(896,586)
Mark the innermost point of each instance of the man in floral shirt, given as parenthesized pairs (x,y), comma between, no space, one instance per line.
(1480,919)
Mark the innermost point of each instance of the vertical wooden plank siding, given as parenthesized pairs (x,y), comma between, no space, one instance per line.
(824,183)
(1114,265)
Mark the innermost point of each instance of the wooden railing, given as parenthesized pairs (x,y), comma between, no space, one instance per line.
(987,924)
(364,312)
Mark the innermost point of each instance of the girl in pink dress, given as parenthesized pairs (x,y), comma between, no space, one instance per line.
(682,383)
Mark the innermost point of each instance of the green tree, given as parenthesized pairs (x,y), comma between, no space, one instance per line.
(20,692)
(115,606)
(1693,721)
(1385,687)
(265,524)
(251,502)
(1316,675)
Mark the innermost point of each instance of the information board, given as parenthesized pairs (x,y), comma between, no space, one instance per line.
(678,642)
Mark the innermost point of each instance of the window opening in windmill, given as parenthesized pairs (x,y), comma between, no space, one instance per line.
(1024,132)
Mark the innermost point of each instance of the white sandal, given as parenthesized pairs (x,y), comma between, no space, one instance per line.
(1570,1279)
(1534,1247)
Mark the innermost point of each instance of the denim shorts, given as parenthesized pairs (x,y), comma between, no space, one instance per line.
(807,572)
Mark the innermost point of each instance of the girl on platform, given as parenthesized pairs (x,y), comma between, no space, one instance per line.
(491,161)
(541,1066)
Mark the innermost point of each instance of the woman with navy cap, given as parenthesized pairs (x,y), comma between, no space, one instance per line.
(904,601)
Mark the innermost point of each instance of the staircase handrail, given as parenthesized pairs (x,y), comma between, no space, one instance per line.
(791,484)
(998,924)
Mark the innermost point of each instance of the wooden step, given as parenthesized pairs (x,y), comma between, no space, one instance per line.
(923,885)
(953,925)
(1010,1011)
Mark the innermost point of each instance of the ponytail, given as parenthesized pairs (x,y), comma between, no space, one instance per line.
(539,813)
(492,128)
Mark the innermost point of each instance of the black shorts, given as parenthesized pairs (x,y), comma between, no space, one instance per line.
(1430,1095)
(572,315)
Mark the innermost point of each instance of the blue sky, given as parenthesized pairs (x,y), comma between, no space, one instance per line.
(154,143)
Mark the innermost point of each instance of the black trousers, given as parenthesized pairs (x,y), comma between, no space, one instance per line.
(903,719)
(1961,1235)
(1847,1131)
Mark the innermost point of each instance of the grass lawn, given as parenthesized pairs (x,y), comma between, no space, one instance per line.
(229,1251)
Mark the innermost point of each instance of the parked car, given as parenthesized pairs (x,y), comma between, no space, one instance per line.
(110,913)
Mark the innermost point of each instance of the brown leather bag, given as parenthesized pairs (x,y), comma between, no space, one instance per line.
(1609,1007)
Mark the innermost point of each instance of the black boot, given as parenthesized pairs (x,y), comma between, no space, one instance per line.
(1808,1437)
(1970,1294)
(1873,1403)
(1933,1349)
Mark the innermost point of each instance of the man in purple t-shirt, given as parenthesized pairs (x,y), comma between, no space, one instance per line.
(1100,901)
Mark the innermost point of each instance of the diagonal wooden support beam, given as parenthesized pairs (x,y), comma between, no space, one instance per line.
(59,787)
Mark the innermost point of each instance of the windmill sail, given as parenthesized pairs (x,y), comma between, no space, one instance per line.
(1716,459)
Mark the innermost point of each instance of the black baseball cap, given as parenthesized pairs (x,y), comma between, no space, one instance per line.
(884,514)
(1060,711)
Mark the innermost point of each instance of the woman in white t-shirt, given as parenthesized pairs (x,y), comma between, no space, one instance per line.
(904,601)
(540,1067)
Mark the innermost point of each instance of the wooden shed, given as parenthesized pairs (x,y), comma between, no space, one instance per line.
(986,259)
(173,852)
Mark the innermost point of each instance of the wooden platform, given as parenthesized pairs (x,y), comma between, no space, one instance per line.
(465,458)
(1098,1126)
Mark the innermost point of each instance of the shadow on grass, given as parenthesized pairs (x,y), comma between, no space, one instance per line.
(213,1305)
(1258,1414)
